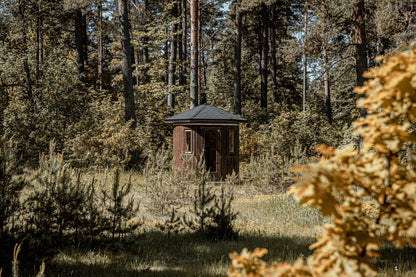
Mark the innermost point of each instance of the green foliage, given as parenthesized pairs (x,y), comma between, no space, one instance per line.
(223,217)
(212,214)
(101,137)
(58,199)
(168,186)
(119,208)
(301,129)
(203,198)
(62,202)
(171,225)
(272,171)
(94,221)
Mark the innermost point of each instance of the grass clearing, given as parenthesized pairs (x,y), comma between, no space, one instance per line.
(273,221)
(152,253)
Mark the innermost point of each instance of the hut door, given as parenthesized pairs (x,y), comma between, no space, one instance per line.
(210,149)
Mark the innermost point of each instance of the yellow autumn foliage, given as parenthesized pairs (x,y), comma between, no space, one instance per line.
(370,194)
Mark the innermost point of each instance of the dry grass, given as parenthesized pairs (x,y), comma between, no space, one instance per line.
(272,221)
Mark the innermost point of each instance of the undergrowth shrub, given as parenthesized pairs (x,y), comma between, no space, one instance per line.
(288,131)
(63,206)
(203,198)
(168,186)
(173,224)
(271,171)
(58,199)
(301,129)
(212,215)
(223,217)
(120,209)
(102,138)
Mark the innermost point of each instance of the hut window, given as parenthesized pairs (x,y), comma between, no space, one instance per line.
(231,140)
(188,141)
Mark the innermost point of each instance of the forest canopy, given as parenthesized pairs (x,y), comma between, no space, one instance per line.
(98,77)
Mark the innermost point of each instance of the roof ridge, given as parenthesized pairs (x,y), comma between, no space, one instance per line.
(205,112)
(200,110)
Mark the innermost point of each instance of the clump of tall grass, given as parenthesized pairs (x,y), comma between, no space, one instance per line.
(15,270)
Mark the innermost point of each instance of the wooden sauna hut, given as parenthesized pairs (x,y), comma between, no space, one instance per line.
(208,132)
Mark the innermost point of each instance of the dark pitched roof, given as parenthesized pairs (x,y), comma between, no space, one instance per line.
(205,113)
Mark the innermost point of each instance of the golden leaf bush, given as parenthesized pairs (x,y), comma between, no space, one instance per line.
(346,182)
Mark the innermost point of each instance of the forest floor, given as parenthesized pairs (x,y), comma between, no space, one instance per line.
(267,218)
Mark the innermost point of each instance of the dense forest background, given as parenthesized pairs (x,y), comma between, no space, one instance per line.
(98,77)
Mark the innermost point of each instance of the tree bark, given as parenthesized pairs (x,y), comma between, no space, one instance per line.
(84,39)
(179,45)
(39,42)
(263,55)
(327,86)
(100,45)
(26,68)
(273,62)
(360,47)
(80,39)
(166,56)
(172,59)
(194,54)
(305,62)
(130,113)
(237,60)
(201,59)
(145,50)
(184,42)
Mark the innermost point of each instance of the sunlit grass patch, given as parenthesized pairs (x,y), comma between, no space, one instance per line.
(277,214)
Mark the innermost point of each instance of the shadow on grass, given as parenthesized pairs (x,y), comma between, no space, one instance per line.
(188,254)
(396,259)
(156,254)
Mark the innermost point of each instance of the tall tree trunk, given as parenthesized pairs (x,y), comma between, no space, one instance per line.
(39,42)
(237,59)
(263,55)
(144,40)
(84,39)
(305,61)
(136,67)
(327,86)
(166,56)
(26,68)
(200,57)
(179,45)
(360,56)
(130,113)
(172,58)
(360,47)
(100,45)
(184,42)
(273,61)
(194,54)
(80,40)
